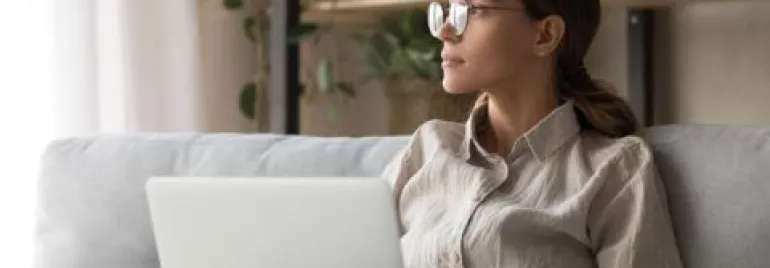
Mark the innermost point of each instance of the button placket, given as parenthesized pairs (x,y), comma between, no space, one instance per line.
(457,256)
(491,182)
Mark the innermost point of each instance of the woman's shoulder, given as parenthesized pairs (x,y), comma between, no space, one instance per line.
(630,145)
(626,153)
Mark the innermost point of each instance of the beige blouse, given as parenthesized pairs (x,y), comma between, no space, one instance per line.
(563,198)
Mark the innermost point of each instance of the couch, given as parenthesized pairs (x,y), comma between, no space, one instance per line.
(92,210)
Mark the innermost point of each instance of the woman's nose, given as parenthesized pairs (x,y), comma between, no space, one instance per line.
(447,33)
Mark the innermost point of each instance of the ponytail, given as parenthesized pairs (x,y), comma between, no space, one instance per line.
(597,106)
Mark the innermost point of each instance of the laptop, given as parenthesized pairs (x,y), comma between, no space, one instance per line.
(274,222)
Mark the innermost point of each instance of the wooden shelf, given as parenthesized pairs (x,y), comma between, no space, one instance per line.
(367,10)
(357,11)
(348,5)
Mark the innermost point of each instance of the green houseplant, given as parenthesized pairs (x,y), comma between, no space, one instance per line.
(256,29)
(401,53)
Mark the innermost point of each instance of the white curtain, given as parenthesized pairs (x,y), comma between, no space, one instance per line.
(126,65)
(26,81)
(79,67)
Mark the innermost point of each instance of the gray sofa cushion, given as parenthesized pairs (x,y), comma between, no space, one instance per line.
(718,182)
(92,209)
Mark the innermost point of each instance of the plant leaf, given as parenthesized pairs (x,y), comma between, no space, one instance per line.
(325,76)
(247,101)
(375,53)
(400,63)
(232,4)
(434,72)
(360,38)
(402,47)
(405,26)
(377,68)
(420,61)
(301,32)
(392,41)
(347,89)
(381,47)
(250,24)
(263,20)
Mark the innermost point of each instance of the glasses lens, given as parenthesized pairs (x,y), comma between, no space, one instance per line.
(435,18)
(458,17)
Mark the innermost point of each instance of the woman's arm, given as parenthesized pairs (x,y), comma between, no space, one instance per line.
(401,168)
(630,224)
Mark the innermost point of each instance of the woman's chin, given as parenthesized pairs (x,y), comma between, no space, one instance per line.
(453,87)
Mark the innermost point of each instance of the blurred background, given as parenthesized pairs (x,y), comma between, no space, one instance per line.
(322,68)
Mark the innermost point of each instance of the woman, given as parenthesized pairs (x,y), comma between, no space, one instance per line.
(546,172)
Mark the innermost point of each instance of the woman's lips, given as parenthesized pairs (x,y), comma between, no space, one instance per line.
(450,61)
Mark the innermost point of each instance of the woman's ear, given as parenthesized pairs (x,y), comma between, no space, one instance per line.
(551,31)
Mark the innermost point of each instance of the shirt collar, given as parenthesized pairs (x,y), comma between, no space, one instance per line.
(542,140)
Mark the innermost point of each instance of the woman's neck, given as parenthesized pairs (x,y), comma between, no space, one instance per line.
(512,113)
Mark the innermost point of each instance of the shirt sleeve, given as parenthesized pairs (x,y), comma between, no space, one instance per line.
(631,227)
(396,171)
(400,169)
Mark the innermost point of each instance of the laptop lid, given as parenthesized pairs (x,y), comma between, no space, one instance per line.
(274,222)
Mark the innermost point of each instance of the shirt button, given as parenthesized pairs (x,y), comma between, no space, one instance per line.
(455,259)
(502,172)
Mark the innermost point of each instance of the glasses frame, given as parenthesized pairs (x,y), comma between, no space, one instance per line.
(456,16)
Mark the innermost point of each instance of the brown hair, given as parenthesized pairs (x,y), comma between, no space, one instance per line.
(598,107)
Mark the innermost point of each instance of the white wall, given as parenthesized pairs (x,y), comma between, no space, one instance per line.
(713,62)
(227,62)
(720,64)
(607,59)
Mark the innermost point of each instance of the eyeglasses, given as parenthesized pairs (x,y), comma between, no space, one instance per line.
(456,15)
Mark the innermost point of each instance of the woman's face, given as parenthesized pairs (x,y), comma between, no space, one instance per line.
(496,46)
